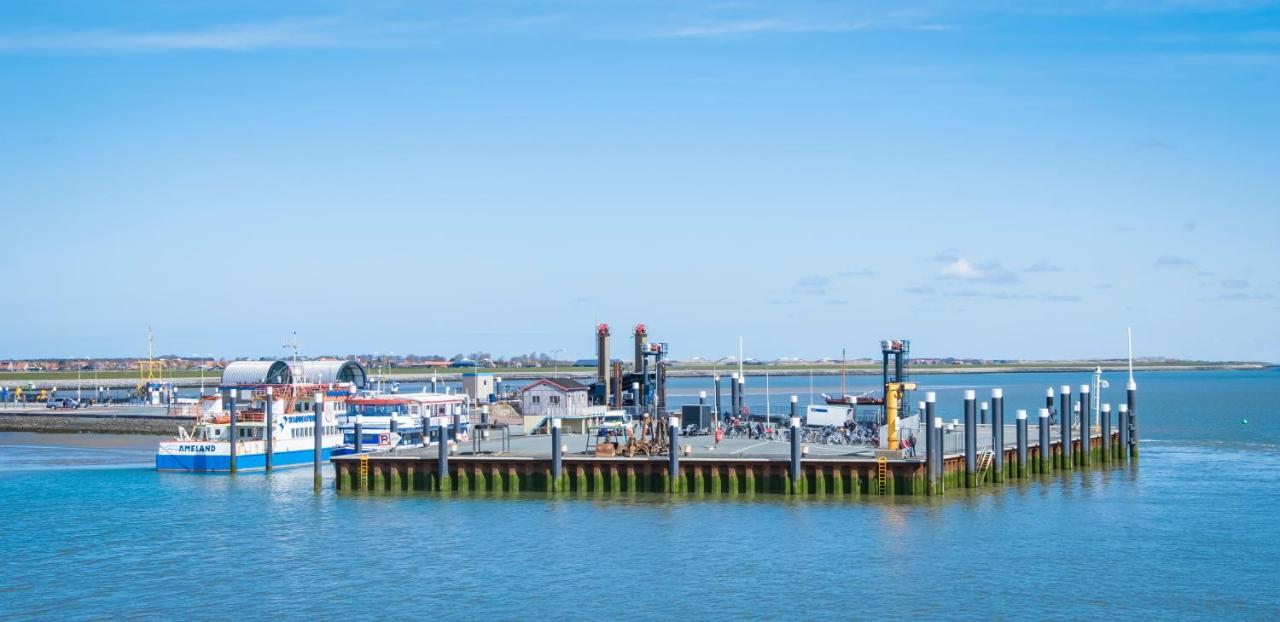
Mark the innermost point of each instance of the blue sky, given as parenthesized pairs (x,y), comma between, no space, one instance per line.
(995,179)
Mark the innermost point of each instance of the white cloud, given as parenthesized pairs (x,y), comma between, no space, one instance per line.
(984,272)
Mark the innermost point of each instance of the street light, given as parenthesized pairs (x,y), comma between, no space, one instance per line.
(555,362)
(79,368)
(201,365)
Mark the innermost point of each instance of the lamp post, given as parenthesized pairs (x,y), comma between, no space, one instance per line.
(555,362)
(197,357)
(79,369)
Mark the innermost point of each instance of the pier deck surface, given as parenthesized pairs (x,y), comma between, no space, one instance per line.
(579,446)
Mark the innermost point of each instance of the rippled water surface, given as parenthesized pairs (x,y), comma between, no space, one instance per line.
(1193,532)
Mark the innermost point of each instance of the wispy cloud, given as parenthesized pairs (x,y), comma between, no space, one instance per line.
(1172,261)
(812,285)
(947,255)
(1002,295)
(303,33)
(758,26)
(992,272)
(858,273)
(920,289)
(1235,284)
(1246,296)
(1042,266)
(1153,144)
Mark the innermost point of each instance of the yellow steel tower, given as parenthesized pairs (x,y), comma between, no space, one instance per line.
(892,404)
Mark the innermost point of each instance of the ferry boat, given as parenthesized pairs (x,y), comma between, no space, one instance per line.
(206,447)
(408,411)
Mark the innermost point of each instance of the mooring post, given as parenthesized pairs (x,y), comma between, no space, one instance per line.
(930,414)
(997,435)
(1105,415)
(933,450)
(1122,421)
(360,433)
(1133,417)
(795,447)
(733,395)
(1046,453)
(267,433)
(392,428)
(1022,444)
(232,431)
(715,409)
(1064,420)
(970,440)
(982,413)
(1048,399)
(442,460)
(1086,417)
(742,394)
(317,430)
(673,464)
(556,466)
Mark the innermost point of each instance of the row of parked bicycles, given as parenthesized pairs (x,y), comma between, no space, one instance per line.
(852,433)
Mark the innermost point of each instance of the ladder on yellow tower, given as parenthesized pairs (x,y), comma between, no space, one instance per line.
(364,471)
(882,475)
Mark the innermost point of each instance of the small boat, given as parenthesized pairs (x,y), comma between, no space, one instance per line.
(408,412)
(206,448)
(853,400)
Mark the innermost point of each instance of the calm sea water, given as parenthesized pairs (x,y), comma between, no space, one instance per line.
(1193,532)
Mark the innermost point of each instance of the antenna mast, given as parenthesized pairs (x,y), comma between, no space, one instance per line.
(1129,332)
(293,346)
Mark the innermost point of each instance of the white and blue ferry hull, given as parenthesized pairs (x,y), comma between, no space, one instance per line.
(213,457)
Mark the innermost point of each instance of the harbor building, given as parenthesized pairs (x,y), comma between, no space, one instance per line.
(479,386)
(559,398)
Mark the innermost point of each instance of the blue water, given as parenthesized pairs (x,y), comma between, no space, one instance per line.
(1191,533)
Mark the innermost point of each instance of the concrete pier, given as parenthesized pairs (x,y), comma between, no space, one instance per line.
(739,466)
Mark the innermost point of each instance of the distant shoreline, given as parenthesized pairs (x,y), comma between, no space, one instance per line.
(183,379)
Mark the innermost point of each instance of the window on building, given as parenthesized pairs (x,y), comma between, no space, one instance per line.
(555,399)
(537,399)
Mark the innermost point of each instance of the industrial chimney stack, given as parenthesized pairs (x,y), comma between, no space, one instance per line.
(642,342)
(602,359)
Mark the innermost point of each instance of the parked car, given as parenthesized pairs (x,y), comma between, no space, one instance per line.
(61,402)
